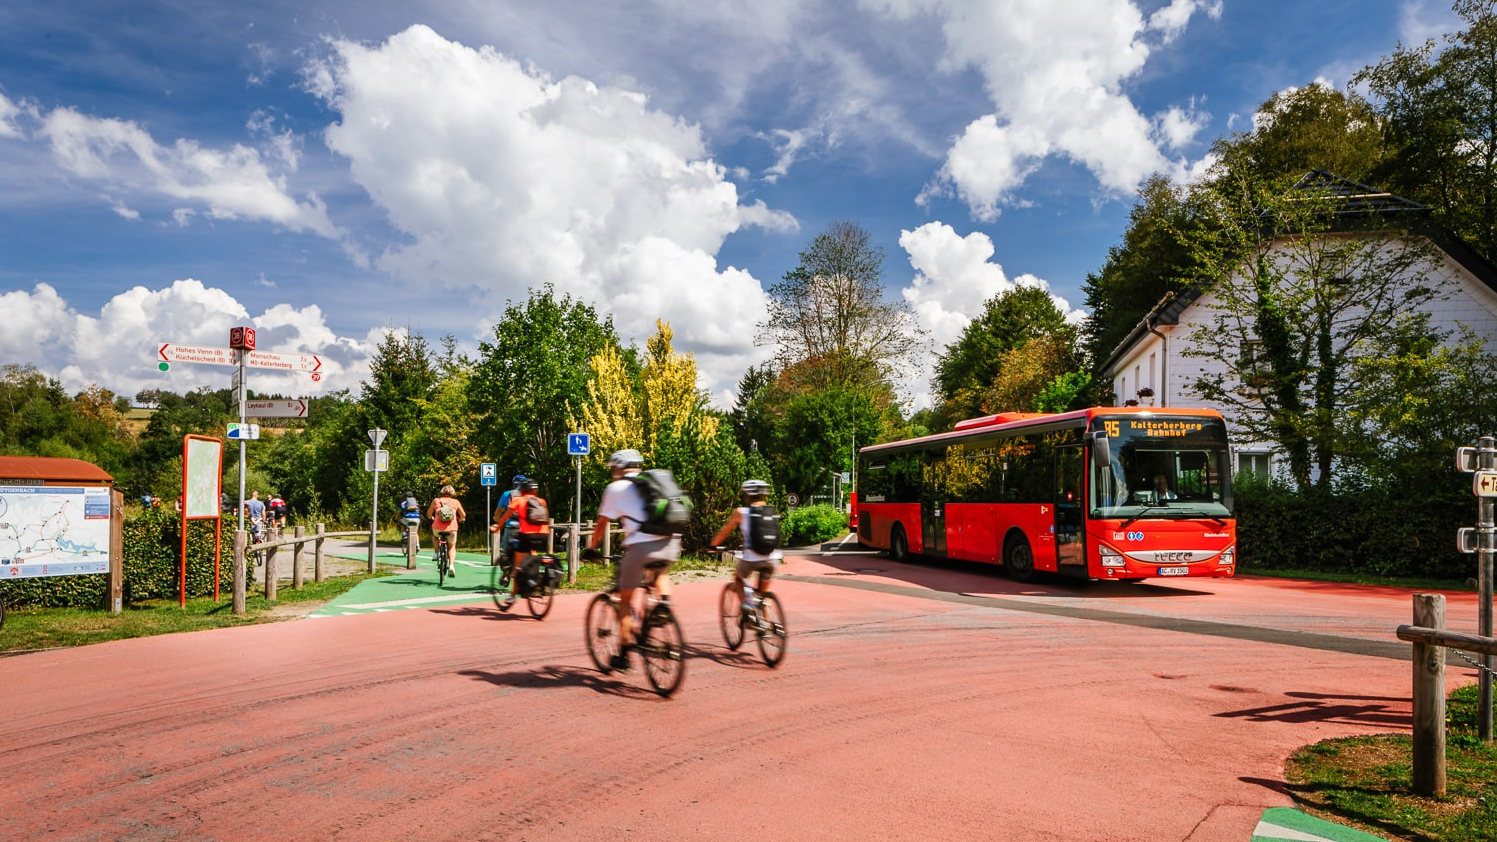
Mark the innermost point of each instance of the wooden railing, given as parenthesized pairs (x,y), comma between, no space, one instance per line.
(298,540)
(1430,639)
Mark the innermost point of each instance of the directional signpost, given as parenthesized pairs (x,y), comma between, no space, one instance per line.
(578,446)
(488,477)
(241,353)
(375,460)
(1481,463)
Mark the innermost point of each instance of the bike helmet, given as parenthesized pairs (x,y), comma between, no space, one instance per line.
(519,478)
(625,459)
(755,488)
(530,485)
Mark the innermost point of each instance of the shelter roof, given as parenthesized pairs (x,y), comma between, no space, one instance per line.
(51,468)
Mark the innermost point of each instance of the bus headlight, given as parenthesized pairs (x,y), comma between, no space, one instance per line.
(1111,557)
(1229,557)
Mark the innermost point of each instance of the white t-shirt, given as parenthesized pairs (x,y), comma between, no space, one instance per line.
(747,553)
(623,505)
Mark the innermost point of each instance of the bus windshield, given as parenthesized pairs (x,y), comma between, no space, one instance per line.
(1162,467)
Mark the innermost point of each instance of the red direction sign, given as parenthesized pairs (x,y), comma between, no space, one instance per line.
(284,362)
(172,353)
(275,409)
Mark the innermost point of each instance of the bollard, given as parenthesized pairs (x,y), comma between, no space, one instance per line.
(412,547)
(1429,700)
(270,574)
(317,573)
(239,541)
(300,535)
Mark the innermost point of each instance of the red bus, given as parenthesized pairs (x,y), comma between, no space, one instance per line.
(1101,493)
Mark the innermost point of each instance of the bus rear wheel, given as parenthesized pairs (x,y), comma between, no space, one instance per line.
(1018,560)
(899,546)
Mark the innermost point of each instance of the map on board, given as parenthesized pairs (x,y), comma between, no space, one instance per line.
(53,531)
(204,459)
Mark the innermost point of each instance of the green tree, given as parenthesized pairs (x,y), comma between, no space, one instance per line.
(1321,297)
(831,308)
(531,381)
(1439,109)
(982,370)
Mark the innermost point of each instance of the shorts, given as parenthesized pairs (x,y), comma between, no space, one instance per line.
(531,542)
(637,556)
(764,567)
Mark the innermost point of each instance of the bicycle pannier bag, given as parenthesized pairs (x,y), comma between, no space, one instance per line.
(667,508)
(763,529)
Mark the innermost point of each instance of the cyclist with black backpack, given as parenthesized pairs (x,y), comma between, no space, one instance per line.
(653,511)
(534,523)
(760,524)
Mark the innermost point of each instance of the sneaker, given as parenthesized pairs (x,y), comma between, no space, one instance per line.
(619,662)
(507,602)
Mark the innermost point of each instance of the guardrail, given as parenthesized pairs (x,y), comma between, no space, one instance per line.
(299,538)
(1430,639)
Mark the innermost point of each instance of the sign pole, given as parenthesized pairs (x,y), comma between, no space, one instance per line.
(378,437)
(1486,524)
(242,394)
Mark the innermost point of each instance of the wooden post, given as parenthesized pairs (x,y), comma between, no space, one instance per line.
(608,541)
(317,555)
(270,574)
(239,586)
(574,546)
(1429,700)
(299,534)
(116,551)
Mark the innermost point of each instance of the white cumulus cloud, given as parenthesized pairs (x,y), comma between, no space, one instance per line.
(502,179)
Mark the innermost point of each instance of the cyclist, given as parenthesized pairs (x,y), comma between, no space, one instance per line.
(277,507)
(410,516)
(510,526)
(446,513)
(528,510)
(753,559)
(622,502)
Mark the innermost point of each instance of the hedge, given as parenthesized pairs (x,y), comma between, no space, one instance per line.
(809,525)
(1374,532)
(153,546)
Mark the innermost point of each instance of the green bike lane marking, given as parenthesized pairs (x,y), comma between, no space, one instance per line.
(412,588)
(1285,824)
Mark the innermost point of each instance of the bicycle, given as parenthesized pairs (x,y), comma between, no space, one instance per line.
(536,591)
(444,563)
(657,636)
(256,536)
(765,618)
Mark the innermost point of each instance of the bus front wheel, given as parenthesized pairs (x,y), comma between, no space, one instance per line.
(899,546)
(1018,559)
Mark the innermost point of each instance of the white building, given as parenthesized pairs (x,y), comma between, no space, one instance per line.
(1151,366)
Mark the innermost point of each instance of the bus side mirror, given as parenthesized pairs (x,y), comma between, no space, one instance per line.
(1101,451)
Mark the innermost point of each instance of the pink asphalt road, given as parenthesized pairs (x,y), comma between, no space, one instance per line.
(916,702)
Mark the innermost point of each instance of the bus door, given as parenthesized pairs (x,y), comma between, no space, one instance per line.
(933,526)
(1070,525)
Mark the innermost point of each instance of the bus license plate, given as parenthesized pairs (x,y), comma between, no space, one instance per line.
(1174,571)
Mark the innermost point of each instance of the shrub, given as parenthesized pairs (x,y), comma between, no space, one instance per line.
(812,525)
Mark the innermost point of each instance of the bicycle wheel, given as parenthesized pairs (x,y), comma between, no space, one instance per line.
(441,564)
(771,631)
(601,630)
(540,601)
(663,650)
(730,615)
(498,587)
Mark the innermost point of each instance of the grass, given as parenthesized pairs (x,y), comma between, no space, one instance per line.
(1368,781)
(30,627)
(1361,579)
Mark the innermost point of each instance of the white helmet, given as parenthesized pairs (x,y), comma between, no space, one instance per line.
(755,488)
(625,459)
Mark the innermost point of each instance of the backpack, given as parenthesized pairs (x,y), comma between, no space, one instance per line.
(446,511)
(763,529)
(535,510)
(667,508)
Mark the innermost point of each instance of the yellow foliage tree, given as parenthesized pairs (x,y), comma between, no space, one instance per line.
(671,393)
(611,415)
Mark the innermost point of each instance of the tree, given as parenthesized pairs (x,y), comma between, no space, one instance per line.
(831,309)
(1439,113)
(1315,127)
(402,374)
(973,377)
(1321,296)
(751,424)
(531,381)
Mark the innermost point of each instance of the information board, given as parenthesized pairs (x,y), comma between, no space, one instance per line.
(53,531)
(202,476)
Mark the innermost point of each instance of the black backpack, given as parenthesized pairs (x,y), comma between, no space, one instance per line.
(667,508)
(535,510)
(763,529)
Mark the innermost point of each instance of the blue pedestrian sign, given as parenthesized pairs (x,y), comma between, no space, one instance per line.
(488,474)
(577,444)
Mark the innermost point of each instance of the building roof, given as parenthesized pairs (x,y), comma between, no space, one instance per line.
(50,468)
(1345,197)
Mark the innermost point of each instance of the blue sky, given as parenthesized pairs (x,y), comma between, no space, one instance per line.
(327,170)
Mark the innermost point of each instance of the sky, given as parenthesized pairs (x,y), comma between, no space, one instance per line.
(326,171)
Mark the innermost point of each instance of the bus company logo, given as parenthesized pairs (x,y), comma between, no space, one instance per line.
(1216,535)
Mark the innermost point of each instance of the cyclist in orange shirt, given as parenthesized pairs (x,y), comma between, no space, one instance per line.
(529,508)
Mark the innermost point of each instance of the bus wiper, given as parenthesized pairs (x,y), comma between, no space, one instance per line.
(1140,513)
